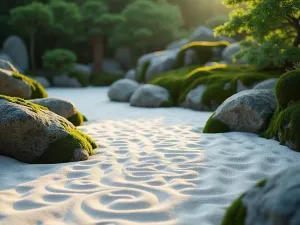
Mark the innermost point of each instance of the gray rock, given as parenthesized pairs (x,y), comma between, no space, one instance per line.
(125,57)
(65,81)
(112,66)
(150,96)
(161,63)
(277,203)
(15,47)
(190,57)
(6,65)
(13,87)
(229,53)
(131,74)
(85,70)
(61,107)
(122,90)
(247,111)
(26,134)
(205,34)
(177,44)
(193,100)
(42,80)
(267,84)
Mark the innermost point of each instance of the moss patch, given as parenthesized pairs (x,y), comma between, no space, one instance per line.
(38,90)
(142,75)
(20,101)
(104,79)
(287,88)
(203,50)
(62,150)
(81,78)
(215,126)
(77,119)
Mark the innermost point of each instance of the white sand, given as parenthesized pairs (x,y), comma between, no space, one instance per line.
(151,168)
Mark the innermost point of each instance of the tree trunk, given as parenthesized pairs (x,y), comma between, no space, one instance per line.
(297,40)
(32,53)
(98,52)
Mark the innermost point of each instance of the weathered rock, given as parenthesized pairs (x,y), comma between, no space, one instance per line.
(125,57)
(112,66)
(13,87)
(85,70)
(131,74)
(61,107)
(247,111)
(177,44)
(193,100)
(6,65)
(267,84)
(65,81)
(122,90)
(190,57)
(206,34)
(15,47)
(230,51)
(34,135)
(161,63)
(42,80)
(150,96)
(277,202)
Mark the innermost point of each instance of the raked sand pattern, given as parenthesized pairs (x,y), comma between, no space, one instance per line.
(145,171)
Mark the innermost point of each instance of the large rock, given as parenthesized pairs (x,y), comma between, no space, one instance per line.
(35,135)
(6,65)
(205,34)
(267,84)
(247,111)
(190,57)
(61,107)
(42,80)
(277,202)
(112,66)
(85,70)
(65,81)
(230,51)
(15,47)
(161,63)
(150,96)
(177,44)
(13,87)
(193,100)
(122,90)
(125,57)
(131,74)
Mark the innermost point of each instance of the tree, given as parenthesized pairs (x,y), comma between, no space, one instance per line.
(99,23)
(31,18)
(265,19)
(66,17)
(149,25)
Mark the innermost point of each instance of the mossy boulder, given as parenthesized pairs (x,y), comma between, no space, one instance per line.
(122,90)
(63,108)
(31,133)
(247,111)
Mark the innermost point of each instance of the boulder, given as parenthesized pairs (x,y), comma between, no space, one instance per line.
(276,202)
(121,90)
(161,63)
(42,80)
(131,74)
(112,66)
(30,133)
(177,44)
(247,111)
(11,86)
(85,70)
(65,81)
(124,56)
(267,84)
(193,100)
(150,96)
(61,107)
(190,57)
(15,47)
(6,65)
(229,52)
(205,34)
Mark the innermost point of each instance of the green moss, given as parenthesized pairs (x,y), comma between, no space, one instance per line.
(142,75)
(202,49)
(287,88)
(62,150)
(20,101)
(104,79)
(38,90)
(285,124)
(82,79)
(85,119)
(77,119)
(215,126)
